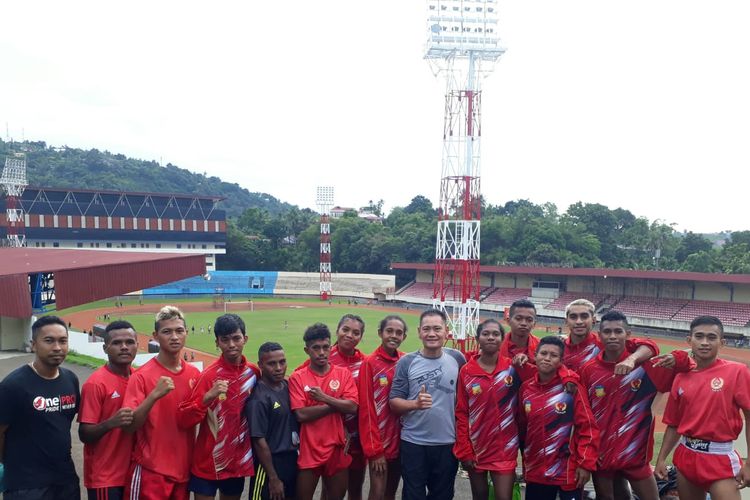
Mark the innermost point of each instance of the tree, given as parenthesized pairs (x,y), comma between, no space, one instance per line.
(691,243)
(420,204)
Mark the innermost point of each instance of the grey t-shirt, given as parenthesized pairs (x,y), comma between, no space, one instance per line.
(437,425)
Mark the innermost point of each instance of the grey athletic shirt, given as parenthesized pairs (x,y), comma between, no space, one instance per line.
(437,425)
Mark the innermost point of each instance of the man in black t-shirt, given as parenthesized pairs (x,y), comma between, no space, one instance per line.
(38,402)
(273,427)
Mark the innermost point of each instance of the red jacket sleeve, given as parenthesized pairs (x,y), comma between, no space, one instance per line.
(586,432)
(634,343)
(462,448)
(663,377)
(192,411)
(92,397)
(369,431)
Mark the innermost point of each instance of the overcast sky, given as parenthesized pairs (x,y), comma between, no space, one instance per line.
(641,104)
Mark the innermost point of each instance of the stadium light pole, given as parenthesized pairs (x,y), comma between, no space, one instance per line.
(324,201)
(462,46)
(13,182)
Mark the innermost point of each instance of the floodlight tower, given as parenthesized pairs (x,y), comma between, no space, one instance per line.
(462,46)
(324,200)
(13,182)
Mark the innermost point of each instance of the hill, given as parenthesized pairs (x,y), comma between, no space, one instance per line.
(93,169)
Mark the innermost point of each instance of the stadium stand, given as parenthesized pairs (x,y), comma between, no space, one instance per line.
(224,282)
(417,290)
(649,307)
(506,296)
(730,313)
(566,298)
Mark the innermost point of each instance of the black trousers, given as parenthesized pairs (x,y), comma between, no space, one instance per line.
(538,491)
(428,471)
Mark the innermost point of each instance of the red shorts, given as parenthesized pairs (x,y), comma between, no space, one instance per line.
(631,474)
(338,461)
(703,469)
(497,467)
(149,485)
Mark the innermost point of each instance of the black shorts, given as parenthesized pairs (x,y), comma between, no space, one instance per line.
(286,468)
(111,493)
(231,487)
(57,492)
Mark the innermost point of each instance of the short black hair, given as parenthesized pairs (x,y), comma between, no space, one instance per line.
(484,323)
(318,331)
(352,317)
(267,347)
(552,340)
(392,317)
(523,304)
(227,324)
(707,320)
(613,315)
(120,324)
(433,312)
(45,321)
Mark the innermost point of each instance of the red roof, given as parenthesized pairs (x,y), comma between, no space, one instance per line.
(591,272)
(83,276)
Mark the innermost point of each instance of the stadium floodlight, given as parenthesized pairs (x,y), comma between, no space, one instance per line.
(13,182)
(324,199)
(462,45)
(458,28)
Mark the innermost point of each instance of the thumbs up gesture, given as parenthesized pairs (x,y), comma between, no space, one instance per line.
(424,400)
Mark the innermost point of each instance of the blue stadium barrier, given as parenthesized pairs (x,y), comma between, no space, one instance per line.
(221,282)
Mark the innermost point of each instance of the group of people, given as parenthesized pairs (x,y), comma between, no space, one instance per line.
(575,409)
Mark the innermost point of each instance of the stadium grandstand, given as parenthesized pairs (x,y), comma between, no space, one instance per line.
(655,299)
(122,221)
(247,283)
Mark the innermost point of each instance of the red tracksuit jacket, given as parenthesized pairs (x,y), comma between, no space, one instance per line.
(379,428)
(560,432)
(223,448)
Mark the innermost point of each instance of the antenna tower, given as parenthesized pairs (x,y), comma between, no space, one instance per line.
(324,200)
(13,182)
(462,46)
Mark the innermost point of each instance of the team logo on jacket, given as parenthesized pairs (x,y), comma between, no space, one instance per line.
(560,407)
(635,384)
(334,385)
(476,389)
(527,406)
(599,391)
(508,380)
(717,383)
(383,380)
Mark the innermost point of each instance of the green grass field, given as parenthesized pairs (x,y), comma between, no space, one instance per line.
(268,325)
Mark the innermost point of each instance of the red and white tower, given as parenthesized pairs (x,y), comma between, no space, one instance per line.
(324,200)
(462,46)
(13,182)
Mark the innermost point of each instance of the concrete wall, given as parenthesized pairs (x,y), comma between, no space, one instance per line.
(15,333)
(712,291)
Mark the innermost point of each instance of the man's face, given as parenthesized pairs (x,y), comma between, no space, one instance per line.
(171,335)
(705,341)
(349,334)
(432,331)
(273,365)
(548,359)
(231,346)
(51,345)
(122,346)
(393,334)
(579,321)
(489,338)
(522,321)
(614,335)
(318,351)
